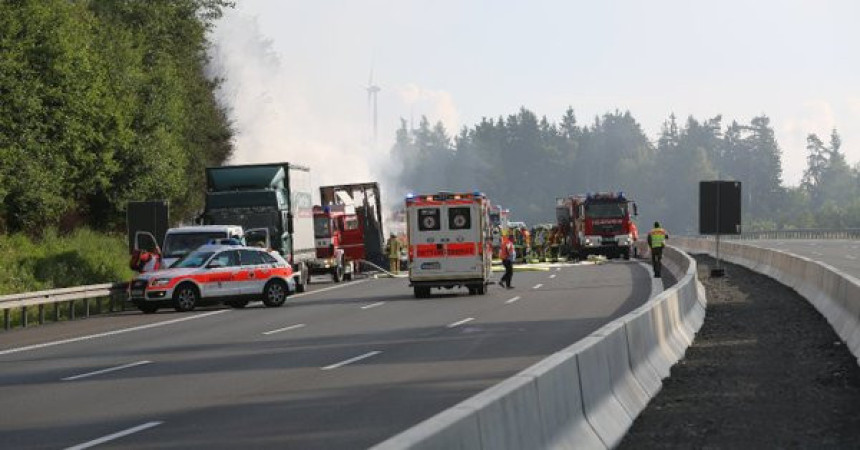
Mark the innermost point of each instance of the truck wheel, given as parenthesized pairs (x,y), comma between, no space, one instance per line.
(238,304)
(626,253)
(337,273)
(147,308)
(481,289)
(421,291)
(185,297)
(472,290)
(274,294)
(303,278)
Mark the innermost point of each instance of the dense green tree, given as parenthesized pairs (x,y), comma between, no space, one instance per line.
(524,163)
(102,102)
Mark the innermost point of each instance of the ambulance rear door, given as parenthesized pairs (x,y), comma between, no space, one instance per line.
(444,238)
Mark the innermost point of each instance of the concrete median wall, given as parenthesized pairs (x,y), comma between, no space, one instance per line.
(585,396)
(835,294)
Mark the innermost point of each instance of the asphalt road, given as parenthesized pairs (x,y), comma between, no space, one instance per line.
(343,366)
(841,254)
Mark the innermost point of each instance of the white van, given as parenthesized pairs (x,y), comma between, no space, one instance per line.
(450,242)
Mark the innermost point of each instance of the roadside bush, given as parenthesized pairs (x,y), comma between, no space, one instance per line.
(56,261)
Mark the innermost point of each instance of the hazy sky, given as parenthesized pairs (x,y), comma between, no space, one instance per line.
(296,71)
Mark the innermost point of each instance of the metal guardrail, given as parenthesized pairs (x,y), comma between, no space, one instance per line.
(846,233)
(114,292)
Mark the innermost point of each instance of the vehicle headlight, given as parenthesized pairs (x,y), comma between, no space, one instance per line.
(159,282)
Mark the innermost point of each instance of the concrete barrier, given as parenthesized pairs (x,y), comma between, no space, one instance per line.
(585,396)
(835,294)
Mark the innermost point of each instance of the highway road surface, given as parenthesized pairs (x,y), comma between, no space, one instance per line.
(844,255)
(342,366)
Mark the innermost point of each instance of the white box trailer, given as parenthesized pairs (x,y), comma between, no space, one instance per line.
(450,242)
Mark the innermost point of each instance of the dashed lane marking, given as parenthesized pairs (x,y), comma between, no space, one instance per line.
(373,305)
(352,360)
(538,286)
(111,333)
(512,300)
(461,322)
(281,330)
(108,370)
(114,436)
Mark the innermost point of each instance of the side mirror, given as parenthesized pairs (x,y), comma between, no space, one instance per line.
(215,264)
(635,209)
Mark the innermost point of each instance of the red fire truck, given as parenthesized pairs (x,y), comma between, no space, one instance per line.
(450,242)
(348,229)
(597,224)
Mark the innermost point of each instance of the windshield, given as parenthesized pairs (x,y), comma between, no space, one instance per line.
(322,227)
(179,244)
(193,259)
(605,210)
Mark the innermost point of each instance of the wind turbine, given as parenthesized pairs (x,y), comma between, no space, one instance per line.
(372,91)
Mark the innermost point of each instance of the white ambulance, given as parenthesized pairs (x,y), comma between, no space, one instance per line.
(450,241)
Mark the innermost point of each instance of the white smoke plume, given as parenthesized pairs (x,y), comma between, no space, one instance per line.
(274,113)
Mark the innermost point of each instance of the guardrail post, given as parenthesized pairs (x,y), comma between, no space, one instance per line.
(24,317)
(56,311)
(87,308)
(71,310)
(42,314)
(7,319)
(99,305)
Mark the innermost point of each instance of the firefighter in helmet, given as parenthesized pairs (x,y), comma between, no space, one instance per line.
(394,254)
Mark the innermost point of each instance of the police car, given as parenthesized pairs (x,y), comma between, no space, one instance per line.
(213,273)
(450,242)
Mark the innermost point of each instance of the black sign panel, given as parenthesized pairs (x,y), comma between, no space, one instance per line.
(720,207)
(150,216)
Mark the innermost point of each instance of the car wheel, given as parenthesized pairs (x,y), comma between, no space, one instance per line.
(422,291)
(238,304)
(274,294)
(185,297)
(481,289)
(147,308)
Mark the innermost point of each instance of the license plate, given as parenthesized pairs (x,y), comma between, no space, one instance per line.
(137,292)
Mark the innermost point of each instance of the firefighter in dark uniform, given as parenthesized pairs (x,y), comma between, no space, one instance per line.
(656,241)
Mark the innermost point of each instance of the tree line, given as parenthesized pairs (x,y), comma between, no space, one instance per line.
(524,163)
(103,102)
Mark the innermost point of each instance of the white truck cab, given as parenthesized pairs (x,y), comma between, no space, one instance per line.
(449,241)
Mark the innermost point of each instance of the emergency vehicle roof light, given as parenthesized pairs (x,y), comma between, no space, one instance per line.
(410,195)
(327,209)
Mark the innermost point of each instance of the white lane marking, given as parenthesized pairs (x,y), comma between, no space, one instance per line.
(850,257)
(512,300)
(337,286)
(558,269)
(110,333)
(111,369)
(291,327)
(461,322)
(114,436)
(373,305)
(552,276)
(352,360)
(538,286)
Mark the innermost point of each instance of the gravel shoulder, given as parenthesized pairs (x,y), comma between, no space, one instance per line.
(765,371)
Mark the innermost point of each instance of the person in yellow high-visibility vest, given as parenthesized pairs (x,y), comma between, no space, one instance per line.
(656,241)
